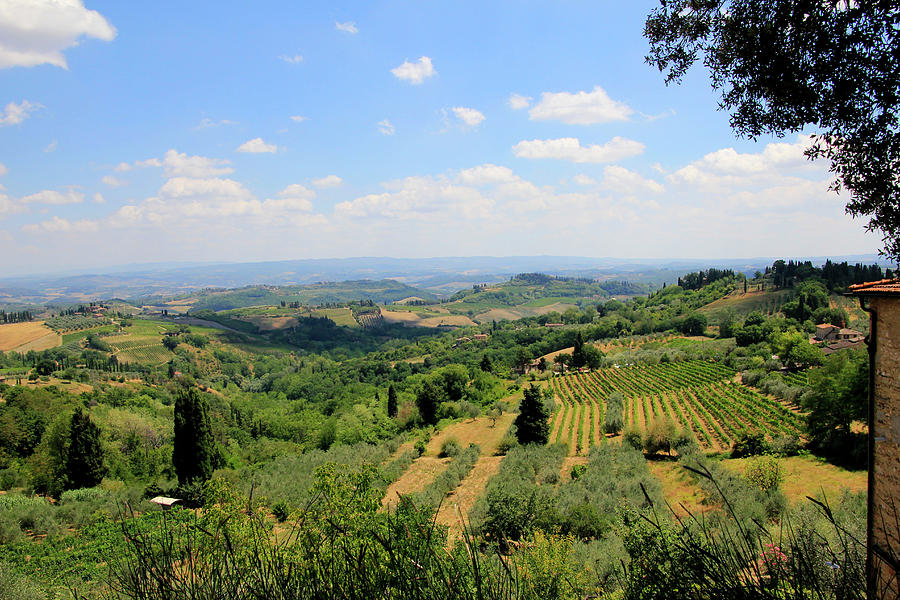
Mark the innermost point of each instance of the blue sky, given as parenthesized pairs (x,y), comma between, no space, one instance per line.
(278,130)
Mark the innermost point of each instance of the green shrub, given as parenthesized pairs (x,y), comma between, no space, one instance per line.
(507,443)
(786,445)
(14,586)
(660,436)
(92,495)
(548,475)
(450,448)
(749,443)
(764,472)
(10,478)
(577,471)
(420,447)
(281,511)
(633,438)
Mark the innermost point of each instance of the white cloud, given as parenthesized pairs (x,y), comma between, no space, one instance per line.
(177,164)
(571,149)
(298,118)
(60,225)
(327,181)
(624,181)
(469,116)
(8,206)
(3,170)
(112,181)
(54,197)
(416,72)
(294,197)
(99,199)
(348,27)
(257,146)
(487,174)
(386,127)
(155,162)
(420,199)
(51,146)
(582,179)
(518,102)
(727,167)
(13,113)
(291,60)
(35,32)
(579,108)
(184,201)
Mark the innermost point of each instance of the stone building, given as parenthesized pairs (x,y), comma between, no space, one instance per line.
(881,299)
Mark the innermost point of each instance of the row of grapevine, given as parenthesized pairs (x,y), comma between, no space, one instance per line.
(699,395)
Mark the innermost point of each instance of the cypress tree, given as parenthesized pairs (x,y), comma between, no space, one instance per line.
(392,401)
(194,452)
(578,357)
(532,423)
(84,456)
(486,365)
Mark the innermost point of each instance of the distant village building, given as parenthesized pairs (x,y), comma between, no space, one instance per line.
(832,333)
(881,299)
(481,336)
(554,324)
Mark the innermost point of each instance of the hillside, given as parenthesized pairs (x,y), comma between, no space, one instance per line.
(401,422)
(384,291)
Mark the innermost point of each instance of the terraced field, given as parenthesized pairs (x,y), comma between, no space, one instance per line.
(699,395)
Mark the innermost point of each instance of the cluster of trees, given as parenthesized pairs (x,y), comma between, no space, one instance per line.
(16,316)
(836,277)
(695,281)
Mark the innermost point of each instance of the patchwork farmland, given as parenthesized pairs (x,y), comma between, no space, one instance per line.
(698,395)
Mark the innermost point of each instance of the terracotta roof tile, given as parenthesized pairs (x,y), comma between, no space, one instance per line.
(885,286)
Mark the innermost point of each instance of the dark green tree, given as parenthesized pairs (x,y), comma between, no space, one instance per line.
(788,66)
(839,397)
(428,398)
(194,455)
(578,357)
(694,324)
(532,422)
(392,401)
(170,342)
(486,365)
(84,455)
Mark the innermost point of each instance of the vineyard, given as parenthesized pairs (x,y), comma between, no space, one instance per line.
(698,395)
(138,349)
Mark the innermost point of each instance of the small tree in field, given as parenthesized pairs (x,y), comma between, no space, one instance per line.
(532,425)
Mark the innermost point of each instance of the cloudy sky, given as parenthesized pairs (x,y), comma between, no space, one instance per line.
(175,131)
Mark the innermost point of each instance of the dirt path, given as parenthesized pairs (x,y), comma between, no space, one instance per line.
(586,419)
(682,494)
(419,474)
(459,502)
(599,409)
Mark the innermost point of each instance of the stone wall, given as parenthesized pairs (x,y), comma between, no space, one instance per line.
(886,472)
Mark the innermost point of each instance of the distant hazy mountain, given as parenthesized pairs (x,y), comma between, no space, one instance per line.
(441,275)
